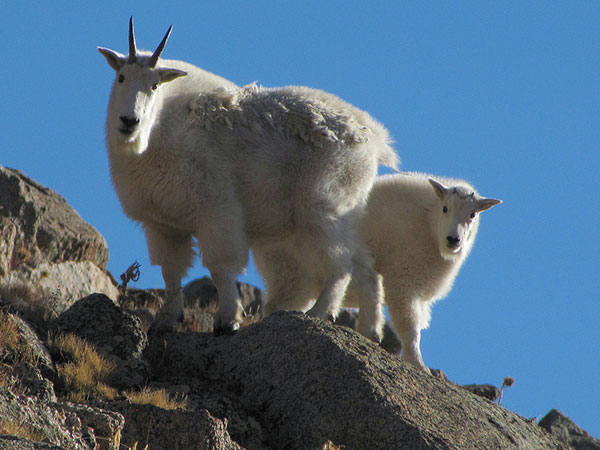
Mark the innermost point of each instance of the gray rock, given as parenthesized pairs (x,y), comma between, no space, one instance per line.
(307,382)
(106,426)
(37,225)
(488,391)
(203,293)
(390,342)
(18,443)
(142,298)
(30,347)
(173,429)
(565,430)
(44,420)
(113,332)
(29,380)
(60,284)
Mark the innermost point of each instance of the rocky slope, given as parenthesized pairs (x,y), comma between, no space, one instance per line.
(285,382)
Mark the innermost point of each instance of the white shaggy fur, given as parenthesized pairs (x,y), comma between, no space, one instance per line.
(193,156)
(419,232)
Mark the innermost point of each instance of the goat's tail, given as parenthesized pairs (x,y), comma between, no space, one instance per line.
(387,156)
(381,143)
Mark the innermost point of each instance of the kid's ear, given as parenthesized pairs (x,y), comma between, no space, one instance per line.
(170,74)
(439,188)
(483,204)
(114,59)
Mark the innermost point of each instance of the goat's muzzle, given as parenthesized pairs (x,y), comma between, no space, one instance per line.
(129,124)
(453,242)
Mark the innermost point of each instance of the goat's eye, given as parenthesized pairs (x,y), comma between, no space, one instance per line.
(445,209)
(473,215)
(121,78)
(154,87)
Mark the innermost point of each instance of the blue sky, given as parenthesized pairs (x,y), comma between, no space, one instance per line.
(504,94)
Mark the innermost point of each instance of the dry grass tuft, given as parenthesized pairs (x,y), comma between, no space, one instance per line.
(22,430)
(156,397)
(13,348)
(84,371)
(10,345)
(251,318)
(330,446)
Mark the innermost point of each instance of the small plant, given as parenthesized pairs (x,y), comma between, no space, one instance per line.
(131,274)
(156,397)
(84,371)
(508,382)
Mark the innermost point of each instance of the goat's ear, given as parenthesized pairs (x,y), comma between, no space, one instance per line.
(170,74)
(483,204)
(114,59)
(439,188)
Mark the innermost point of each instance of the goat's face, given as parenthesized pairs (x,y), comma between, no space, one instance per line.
(134,96)
(136,87)
(457,214)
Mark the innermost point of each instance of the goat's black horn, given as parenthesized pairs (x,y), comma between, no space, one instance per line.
(132,47)
(160,48)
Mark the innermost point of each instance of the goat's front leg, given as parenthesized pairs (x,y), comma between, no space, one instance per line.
(172,250)
(229,316)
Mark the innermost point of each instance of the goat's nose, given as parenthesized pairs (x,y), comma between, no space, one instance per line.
(130,122)
(453,240)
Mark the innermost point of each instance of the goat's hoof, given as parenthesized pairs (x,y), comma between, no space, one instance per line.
(227,329)
(376,337)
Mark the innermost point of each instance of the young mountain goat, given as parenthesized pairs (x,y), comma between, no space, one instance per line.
(192,155)
(419,233)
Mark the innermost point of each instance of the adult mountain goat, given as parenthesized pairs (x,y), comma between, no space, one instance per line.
(419,231)
(192,155)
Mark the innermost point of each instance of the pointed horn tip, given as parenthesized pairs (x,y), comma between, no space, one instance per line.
(132,45)
(160,48)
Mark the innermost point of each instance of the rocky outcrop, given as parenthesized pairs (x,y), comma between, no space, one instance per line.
(113,332)
(60,284)
(70,426)
(286,382)
(560,426)
(390,341)
(178,429)
(37,225)
(308,381)
(48,253)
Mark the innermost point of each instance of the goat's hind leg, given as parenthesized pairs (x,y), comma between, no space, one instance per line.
(289,286)
(225,254)
(333,248)
(173,251)
(366,292)
(407,319)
